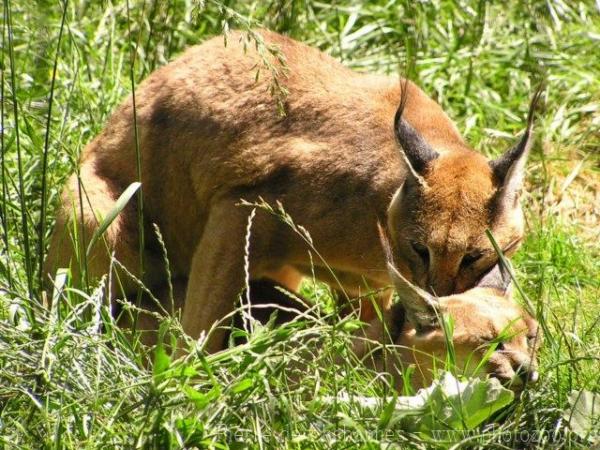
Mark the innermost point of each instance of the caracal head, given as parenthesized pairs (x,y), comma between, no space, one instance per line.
(438,217)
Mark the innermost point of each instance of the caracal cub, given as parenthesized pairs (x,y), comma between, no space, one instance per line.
(483,317)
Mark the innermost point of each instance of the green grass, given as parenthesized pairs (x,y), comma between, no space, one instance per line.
(69,378)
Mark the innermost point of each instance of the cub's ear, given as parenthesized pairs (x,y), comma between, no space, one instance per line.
(420,306)
(418,153)
(498,278)
(509,168)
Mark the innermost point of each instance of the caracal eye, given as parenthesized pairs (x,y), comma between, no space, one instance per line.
(470,258)
(421,250)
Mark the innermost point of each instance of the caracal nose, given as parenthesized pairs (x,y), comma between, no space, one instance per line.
(534,376)
(442,287)
(528,374)
(443,273)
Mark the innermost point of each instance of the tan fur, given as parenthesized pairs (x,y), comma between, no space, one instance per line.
(210,135)
(479,317)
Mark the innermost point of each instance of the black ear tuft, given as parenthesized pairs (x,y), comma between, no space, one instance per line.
(418,152)
(502,166)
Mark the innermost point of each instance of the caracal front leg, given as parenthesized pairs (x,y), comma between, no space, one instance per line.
(217,274)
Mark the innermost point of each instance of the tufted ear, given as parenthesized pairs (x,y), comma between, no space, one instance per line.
(418,153)
(420,306)
(498,277)
(509,168)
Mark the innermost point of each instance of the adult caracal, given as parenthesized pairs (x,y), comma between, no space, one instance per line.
(344,157)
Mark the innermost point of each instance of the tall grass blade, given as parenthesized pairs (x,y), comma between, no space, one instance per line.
(138,156)
(120,204)
(44,195)
(3,169)
(21,189)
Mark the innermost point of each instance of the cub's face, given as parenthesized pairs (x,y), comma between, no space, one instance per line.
(483,322)
(438,229)
(490,333)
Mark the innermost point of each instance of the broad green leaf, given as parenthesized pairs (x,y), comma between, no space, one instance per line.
(453,405)
(448,404)
(584,415)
